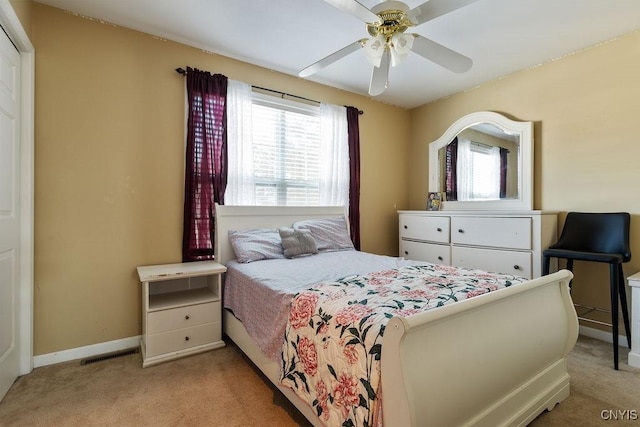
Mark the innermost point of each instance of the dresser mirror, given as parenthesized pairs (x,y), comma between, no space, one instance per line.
(484,161)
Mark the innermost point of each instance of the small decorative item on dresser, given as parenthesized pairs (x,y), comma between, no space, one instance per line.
(181,310)
(434,201)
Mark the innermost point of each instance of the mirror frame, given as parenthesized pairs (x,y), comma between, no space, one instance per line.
(525,162)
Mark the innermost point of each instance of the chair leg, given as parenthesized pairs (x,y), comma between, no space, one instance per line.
(545,265)
(613,272)
(623,303)
(570,268)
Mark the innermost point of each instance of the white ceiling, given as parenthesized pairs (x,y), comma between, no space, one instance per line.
(501,36)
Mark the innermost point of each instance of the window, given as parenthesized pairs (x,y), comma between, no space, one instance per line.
(485,165)
(286,152)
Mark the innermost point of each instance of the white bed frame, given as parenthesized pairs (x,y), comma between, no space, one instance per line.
(497,359)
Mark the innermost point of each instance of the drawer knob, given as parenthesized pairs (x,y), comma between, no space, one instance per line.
(405,227)
(406,252)
(186,317)
(516,267)
(439,229)
(460,230)
(186,338)
(440,258)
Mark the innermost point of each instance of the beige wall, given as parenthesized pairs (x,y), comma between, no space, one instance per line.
(22,8)
(585,108)
(109,137)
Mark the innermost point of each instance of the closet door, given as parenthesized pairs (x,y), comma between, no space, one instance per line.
(9,212)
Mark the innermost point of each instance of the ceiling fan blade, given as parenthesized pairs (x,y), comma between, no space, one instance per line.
(356,9)
(335,56)
(434,8)
(441,55)
(380,75)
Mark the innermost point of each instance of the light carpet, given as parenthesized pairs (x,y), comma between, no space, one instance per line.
(223,388)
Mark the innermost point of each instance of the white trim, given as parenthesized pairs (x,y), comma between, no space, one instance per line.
(602,335)
(86,351)
(11,24)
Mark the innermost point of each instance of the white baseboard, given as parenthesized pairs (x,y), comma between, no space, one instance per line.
(86,351)
(602,335)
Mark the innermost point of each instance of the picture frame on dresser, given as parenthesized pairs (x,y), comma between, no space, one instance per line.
(434,201)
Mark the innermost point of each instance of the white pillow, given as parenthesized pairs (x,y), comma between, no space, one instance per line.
(256,244)
(330,234)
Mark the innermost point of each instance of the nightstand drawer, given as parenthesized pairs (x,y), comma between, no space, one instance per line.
(181,339)
(183,317)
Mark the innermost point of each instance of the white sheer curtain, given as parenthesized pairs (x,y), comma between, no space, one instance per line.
(465,184)
(334,150)
(478,171)
(334,156)
(240,176)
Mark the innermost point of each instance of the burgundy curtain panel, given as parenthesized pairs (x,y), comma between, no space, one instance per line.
(206,162)
(354,174)
(503,172)
(451,174)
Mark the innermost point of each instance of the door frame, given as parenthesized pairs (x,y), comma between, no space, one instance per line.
(13,27)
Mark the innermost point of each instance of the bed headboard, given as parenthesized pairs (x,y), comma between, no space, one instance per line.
(247,217)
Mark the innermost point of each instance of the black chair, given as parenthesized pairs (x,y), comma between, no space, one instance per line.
(599,237)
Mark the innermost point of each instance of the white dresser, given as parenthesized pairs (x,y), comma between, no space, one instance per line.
(498,241)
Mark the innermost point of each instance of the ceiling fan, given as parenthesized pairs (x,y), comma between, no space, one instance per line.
(389,44)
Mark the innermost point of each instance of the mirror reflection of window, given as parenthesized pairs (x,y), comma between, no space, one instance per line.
(484,164)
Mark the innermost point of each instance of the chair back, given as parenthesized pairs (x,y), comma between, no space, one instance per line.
(596,232)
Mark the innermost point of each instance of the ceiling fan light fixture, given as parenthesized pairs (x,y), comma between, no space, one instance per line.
(389,45)
(374,48)
(401,45)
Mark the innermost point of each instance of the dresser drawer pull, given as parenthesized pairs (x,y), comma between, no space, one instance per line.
(439,229)
(186,338)
(405,227)
(516,267)
(460,230)
(186,317)
(440,258)
(406,252)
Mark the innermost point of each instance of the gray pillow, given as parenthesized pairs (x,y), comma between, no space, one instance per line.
(331,234)
(256,244)
(297,243)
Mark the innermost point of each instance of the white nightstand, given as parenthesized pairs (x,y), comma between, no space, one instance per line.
(181,310)
(634,354)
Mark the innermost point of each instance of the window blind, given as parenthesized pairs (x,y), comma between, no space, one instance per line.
(286,147)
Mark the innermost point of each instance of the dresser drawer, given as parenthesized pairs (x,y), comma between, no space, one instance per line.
(182,339)
(427,228)
(493,260)
(183,317)
(512,233)
(430,252)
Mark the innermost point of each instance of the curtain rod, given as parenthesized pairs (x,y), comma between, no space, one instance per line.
(184,73)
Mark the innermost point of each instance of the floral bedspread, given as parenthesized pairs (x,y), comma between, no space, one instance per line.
(331,355)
